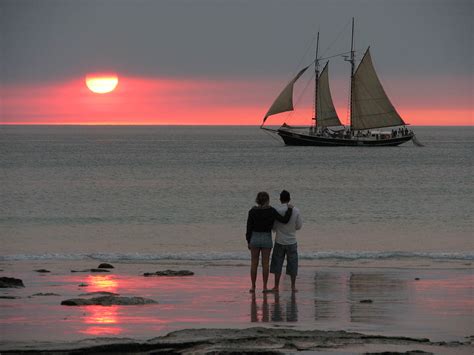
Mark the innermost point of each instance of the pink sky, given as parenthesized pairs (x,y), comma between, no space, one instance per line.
(162,101)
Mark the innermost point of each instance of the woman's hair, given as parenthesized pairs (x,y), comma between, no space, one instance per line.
(262,198)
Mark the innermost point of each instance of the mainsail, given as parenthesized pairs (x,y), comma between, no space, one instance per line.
(371,108)
(284,101)
(327,115)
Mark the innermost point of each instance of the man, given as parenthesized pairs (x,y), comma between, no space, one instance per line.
(285,243)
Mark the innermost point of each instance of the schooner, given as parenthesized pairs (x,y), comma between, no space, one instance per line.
(374,121)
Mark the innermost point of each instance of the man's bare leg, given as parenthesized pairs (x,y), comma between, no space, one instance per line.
(276,287)
(293,283)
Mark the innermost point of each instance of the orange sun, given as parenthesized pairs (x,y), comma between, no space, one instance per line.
(101,83)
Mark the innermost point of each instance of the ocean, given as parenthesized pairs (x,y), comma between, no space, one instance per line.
(183,192)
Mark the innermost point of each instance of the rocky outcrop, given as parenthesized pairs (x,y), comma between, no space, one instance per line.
(99,293)
(108,301)
(44,294)
(7,282)
(42,271)
(170,273)
(105,266)
(271,341)
(91,270)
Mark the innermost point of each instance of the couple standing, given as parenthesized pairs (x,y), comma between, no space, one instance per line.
(285,220)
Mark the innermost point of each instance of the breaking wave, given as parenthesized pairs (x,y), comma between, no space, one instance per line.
(222,256)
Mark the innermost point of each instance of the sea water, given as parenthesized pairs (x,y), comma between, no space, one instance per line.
(182,192)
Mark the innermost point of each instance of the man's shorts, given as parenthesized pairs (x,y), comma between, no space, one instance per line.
(278,256)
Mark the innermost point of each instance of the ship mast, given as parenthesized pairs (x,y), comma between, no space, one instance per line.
(352,60)
(316,78)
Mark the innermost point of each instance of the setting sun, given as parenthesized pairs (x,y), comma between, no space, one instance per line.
(101,84)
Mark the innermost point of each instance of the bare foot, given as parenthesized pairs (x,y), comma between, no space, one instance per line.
(252,290)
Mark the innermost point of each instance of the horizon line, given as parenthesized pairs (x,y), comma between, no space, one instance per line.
(187,125)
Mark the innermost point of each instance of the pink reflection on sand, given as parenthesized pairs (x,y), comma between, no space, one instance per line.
(437,295)
(102,283)
(100,317)
(102,331)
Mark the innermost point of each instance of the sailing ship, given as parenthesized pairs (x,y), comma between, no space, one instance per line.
(374,121)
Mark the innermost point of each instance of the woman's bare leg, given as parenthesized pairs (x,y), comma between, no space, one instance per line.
(265,266)
(255,252)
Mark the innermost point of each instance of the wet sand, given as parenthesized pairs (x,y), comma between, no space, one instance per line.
(429,301)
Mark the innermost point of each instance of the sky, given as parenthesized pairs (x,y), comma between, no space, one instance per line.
(223,62)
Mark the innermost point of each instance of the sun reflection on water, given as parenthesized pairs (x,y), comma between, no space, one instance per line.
(102,283)
(102,320)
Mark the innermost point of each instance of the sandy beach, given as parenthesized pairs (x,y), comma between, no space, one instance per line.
(359,306)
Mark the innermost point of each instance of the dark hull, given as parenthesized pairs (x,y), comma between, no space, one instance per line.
(293,138)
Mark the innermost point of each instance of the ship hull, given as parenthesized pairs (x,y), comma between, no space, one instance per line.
(298,139)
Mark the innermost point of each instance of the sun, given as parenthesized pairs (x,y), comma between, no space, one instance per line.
(102,83)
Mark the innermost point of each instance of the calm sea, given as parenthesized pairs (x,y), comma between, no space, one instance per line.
(184,192)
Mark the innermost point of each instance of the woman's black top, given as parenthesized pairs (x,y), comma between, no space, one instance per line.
(261,219)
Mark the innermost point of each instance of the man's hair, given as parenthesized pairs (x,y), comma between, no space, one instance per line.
(262,198)
(285,196)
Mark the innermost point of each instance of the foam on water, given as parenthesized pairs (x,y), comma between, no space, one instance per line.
(222,256)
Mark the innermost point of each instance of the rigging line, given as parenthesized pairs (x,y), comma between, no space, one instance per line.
(337,37)
(272,136)
(332,56)
(335,55)
(300,96)
(308,46)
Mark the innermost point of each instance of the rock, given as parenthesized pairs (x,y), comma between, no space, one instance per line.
(417,278)
(170,273)
(8,297)
(42,271)
(101,293)
(91,270)
(10,282)
(45,294)
(108,301)
(366,301)
(83,285)
(99,270)
(105,266)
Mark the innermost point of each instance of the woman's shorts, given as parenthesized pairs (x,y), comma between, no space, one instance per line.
(261,240)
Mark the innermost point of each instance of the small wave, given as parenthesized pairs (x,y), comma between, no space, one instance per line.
(222,256)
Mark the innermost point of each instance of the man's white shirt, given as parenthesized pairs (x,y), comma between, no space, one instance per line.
(286,233)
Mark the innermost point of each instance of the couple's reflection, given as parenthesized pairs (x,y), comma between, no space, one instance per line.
(274,312)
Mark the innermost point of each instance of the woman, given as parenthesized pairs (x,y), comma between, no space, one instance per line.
(259,235)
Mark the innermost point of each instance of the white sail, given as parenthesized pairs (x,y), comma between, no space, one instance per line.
(371,108)
(327,115)
(284,101)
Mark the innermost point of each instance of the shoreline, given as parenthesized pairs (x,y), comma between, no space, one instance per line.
(416,299)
